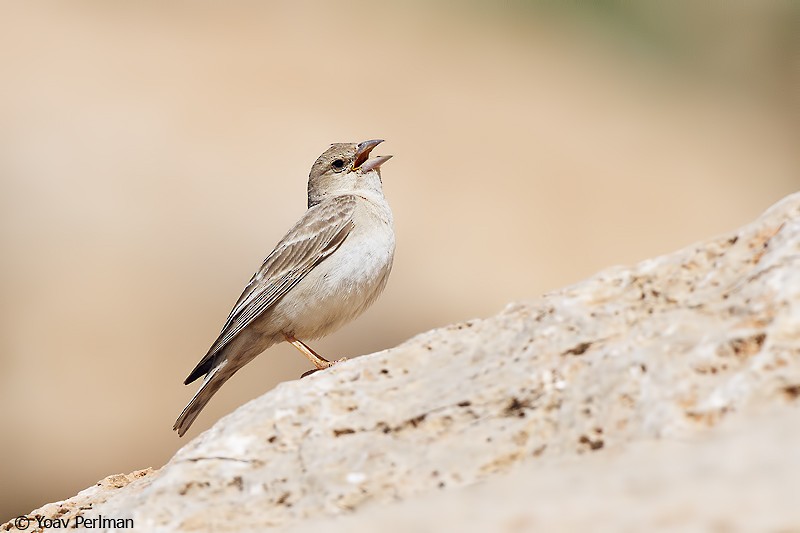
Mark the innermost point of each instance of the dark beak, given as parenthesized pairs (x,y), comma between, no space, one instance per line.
(362,160)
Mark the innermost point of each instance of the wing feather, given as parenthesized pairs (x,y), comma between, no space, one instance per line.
(320,231)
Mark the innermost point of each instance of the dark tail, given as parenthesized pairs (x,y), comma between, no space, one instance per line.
(216,377)
(203,367)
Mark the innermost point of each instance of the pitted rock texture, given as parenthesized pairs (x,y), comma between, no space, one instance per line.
(79,504)
(741,478)
(663,350)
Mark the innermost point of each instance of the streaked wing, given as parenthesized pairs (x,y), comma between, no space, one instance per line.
(317,235)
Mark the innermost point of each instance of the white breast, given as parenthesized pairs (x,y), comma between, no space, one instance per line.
(346,283)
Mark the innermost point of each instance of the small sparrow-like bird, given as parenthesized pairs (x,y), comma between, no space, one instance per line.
(326,271)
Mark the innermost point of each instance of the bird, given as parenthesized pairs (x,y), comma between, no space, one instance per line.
(327,270)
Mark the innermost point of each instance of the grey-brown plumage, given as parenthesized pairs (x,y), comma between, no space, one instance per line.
(326,271)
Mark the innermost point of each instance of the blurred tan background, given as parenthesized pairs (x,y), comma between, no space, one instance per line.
(151,154)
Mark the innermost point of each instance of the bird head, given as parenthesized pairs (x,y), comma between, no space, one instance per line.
(345,168)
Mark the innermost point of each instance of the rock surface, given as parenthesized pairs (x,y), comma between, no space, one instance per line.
(581,393)
(742,478)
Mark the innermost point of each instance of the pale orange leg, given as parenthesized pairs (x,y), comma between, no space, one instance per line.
(317,360)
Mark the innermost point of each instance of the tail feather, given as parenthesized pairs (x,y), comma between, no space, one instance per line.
(211,384)
(203,367)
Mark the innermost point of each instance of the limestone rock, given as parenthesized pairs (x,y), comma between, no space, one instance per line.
(740,479)
(659,352)
(79,504)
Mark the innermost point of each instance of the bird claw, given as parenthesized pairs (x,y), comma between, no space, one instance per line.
(328,365)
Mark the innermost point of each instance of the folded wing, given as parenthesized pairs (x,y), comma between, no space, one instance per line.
(320,231)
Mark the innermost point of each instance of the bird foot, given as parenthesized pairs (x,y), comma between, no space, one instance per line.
(317,360)
(327,365)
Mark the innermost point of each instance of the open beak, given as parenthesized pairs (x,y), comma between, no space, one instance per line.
(362,161)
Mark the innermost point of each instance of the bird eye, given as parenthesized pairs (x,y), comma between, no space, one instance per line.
(338,164)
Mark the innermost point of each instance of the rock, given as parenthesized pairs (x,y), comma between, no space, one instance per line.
(78,505)
(742,478)
(591,380)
